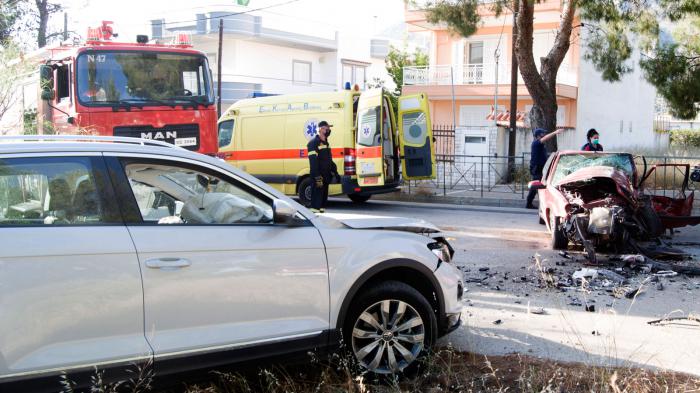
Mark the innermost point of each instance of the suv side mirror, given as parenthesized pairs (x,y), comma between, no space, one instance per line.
(46,82)
(536,184)
(283,212)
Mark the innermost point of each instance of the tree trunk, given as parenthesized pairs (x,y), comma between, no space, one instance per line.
(42,8)
(541,84)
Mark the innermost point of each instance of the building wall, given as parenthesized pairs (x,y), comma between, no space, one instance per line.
(273,66)
(356,47)
(250,63)
(623,112)
(249,66)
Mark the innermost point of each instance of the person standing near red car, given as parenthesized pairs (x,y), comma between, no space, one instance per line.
(538,157)
(593,141)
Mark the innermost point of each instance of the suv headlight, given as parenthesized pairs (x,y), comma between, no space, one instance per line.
(442,249)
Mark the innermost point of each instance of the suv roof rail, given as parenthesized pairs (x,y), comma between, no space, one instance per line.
(88,138)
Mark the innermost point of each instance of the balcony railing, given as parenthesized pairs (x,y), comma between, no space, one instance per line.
(474,74)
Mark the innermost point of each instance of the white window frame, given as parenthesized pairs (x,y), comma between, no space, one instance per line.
(468,51)
(301,82)
(354,66)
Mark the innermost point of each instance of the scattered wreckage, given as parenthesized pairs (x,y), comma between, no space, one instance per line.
(599,201)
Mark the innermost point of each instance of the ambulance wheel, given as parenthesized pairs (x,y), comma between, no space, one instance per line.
(305,192)
(357,198)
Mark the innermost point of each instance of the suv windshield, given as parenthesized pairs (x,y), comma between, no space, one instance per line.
(143,78)
(571,163)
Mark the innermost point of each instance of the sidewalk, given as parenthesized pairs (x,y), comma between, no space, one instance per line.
(458,197)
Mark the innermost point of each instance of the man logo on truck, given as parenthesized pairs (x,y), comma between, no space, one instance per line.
(159,135)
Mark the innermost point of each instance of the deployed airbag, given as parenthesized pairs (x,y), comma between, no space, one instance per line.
(220,208)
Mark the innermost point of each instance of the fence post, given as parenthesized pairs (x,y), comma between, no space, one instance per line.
(444,176)
(522,178)
(482,176)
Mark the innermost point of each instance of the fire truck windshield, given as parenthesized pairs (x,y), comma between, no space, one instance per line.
(147,78)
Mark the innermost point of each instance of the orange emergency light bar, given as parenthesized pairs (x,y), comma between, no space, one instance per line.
(182,39)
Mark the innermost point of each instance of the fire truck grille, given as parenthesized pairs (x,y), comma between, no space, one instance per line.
(183,135)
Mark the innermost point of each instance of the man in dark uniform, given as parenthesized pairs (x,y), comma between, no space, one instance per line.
(538,157)
(322,167)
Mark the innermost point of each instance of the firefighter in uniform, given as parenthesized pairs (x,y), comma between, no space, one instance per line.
(322,167)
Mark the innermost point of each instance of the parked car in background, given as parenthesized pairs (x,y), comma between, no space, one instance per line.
(120,252)
(600,199)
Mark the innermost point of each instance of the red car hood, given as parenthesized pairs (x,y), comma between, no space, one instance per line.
(592,172)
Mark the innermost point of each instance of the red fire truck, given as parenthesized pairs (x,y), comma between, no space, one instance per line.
(145,90)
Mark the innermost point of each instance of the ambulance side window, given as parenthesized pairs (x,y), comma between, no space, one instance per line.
(370,127)
(225,132)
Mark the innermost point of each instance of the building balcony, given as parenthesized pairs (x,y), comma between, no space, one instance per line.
(474,74)
(268,29)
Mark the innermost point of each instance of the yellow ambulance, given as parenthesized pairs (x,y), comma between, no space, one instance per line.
(267,138)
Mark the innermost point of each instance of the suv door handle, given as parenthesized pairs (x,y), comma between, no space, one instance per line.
(167,263)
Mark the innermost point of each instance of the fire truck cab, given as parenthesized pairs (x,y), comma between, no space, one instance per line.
(141,89)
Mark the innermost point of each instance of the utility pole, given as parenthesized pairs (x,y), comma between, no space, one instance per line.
(65,26)
(513,92)
(218,66)
(496,55)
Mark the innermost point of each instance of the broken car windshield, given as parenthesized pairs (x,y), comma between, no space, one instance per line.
(571,163)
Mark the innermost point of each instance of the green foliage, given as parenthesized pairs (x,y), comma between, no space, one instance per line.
(676,80)
(461,16)
(609,51)
(13,68)
(397,59)
(679,9)
(685,138)
(10,12)
(672,67)
(29,121)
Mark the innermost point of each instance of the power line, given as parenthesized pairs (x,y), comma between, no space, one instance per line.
(227,15)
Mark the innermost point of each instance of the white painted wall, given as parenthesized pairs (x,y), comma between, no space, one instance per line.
(272,66)
(622,112)
(249,61)
(355,45)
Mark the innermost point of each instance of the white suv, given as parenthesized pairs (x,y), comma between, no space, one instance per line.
(116,252)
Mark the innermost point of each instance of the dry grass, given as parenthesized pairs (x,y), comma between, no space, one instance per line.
(443,371)
(451,371)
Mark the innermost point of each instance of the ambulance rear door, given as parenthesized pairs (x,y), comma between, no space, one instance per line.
(416,138)
(368,144)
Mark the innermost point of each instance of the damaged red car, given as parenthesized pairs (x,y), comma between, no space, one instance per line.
(597,200)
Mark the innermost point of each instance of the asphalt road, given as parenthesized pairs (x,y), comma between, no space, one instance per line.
(502,313)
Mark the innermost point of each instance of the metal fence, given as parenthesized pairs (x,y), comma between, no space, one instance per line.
(444,143)
(460,174)
(479,176)
(667,180)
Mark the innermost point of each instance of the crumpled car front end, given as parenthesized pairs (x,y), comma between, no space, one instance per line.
(603,209)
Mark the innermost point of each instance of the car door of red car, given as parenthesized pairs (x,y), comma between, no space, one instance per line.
(667,184)
(545,193)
